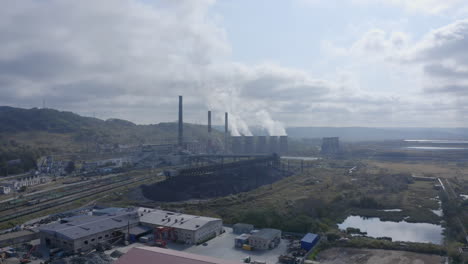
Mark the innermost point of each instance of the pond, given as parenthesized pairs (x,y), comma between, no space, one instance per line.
(299,158)
(398,231)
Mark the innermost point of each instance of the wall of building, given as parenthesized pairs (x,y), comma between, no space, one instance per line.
(258,242)
(209,230)
(81,244)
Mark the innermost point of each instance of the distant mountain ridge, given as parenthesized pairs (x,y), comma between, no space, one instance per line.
(368,133)
(376,134)
(39,124)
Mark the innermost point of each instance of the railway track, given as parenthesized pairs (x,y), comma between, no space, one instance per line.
(62,192)
(27,210)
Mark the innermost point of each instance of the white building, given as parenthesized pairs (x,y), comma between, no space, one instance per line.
(5,188)
(265,239)
(189,229)
(28,180)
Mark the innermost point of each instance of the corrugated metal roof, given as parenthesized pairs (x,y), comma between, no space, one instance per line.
(267,233)
(83,226)
(154,255)
(309,238)
(177,220)
(242,225)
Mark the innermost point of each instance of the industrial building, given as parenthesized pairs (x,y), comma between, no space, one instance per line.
(241,241)
(265,238)
(330,146)
(241,228)
(189,229)
(84,233)
(155,255)
(258,145)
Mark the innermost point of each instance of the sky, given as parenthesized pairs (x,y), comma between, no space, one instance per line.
(269,63)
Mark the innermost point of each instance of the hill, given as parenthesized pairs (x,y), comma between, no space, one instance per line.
(28,133)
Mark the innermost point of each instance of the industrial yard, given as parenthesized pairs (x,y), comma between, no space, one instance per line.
(227,199)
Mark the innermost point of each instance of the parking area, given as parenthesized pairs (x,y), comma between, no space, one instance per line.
(222,247)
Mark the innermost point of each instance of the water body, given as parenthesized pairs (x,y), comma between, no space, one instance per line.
(442,141)
(436,148)
(298,158)
(392,210)
(398,231)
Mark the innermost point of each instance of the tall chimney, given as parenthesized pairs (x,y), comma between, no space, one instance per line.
(180,138)
(208,143)
(226,131)
(209,121)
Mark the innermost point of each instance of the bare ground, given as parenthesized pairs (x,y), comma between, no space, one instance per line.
(375,256)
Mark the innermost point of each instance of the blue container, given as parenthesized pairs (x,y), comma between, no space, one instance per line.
(309,241)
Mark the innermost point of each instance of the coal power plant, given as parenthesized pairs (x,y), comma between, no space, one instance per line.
(259,145)
(242,145)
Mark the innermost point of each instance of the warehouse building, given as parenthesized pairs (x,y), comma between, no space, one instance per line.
(84,233)
(241,228)
(265,238)
(189,229)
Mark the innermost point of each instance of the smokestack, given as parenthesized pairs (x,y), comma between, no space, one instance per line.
(208,143)
(226,123)
(226,130)
(209,121)
(180,138)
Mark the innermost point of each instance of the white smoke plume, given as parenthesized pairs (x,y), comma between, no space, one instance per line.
(274,128)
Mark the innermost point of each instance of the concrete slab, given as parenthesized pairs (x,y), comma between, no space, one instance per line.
(223,247)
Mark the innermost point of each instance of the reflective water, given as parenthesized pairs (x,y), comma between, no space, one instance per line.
(299,158)
(436,148)
(433,141)
(398,231)
(392,210)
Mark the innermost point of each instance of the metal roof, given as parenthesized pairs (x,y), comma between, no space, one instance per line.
(243,236)
(177,220)
(309,238)
(267,233)
(87,225)
(242,225)
(154,255)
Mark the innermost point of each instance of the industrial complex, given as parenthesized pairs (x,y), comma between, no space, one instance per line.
(210,168)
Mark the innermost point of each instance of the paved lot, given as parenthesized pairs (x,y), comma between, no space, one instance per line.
(223,247)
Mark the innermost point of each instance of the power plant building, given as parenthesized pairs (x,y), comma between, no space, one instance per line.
(330,146)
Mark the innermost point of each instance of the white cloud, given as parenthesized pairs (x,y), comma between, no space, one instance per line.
(130,59)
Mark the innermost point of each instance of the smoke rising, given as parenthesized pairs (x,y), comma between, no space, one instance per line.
(274,128)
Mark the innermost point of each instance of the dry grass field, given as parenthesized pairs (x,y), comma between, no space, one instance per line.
(375,256)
